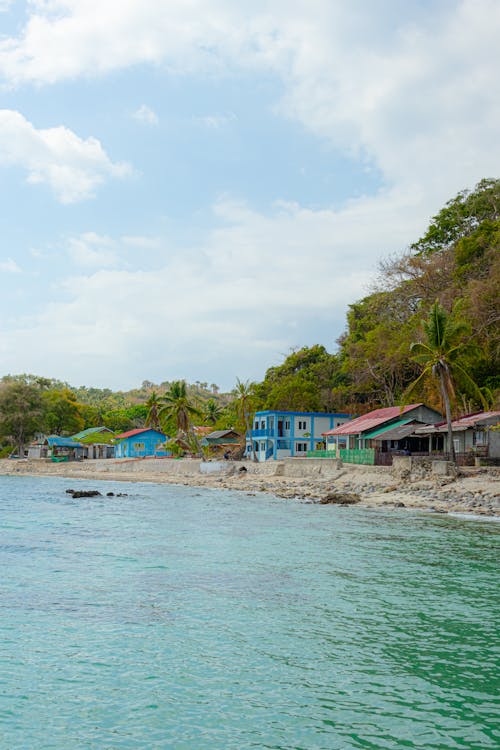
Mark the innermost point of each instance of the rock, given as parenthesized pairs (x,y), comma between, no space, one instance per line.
(70,492)
(86,493)
(110,494)
(337,498)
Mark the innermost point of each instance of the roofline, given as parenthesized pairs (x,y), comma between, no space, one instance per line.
(303,413)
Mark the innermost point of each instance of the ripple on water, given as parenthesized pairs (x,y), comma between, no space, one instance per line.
(189,619)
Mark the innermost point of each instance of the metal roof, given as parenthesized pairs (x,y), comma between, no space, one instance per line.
(220,433)
(371,420)
(479,419)
(393,431)
(62,442)
(138,431)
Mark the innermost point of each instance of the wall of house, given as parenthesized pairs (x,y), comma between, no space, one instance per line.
(139,446)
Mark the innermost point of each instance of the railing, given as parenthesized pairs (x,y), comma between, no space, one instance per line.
(359,456)
(262,433)
(321,454)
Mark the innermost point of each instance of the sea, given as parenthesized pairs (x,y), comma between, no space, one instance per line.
(206,619)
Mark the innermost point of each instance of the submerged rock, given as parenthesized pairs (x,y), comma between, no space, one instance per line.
(86,493)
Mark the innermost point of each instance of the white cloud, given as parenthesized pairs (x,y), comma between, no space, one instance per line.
(146,115)
(73,167)
(9,266)
(91,250)
(408,88)
(257,286)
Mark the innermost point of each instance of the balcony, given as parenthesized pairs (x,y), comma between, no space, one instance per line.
(266,433)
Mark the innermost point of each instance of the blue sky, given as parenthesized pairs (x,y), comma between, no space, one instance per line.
(191,189)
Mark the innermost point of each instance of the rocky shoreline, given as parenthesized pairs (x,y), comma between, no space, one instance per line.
(474,491)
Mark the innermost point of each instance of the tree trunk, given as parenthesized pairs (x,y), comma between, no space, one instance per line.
(446,399)
(249,434)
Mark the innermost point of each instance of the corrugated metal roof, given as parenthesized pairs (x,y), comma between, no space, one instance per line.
(138,431)
(371,420)
(390,428)
(220,433)
(464,423)
(62,442)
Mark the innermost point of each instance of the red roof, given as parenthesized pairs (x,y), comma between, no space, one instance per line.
(130,433)
(371,420)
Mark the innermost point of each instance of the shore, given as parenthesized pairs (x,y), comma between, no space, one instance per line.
(475,491)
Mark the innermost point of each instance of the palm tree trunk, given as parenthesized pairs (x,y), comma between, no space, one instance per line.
(446,399)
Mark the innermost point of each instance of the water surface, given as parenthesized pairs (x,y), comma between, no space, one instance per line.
(201,619)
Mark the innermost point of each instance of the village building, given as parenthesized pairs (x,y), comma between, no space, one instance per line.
(375,437)
(98,442)
(141,443)
(222,441)
(282,434)
(474,436)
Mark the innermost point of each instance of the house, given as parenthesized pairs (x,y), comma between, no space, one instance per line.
(98,442)
(141,443)
(220,441)
(472,434)
(62,448)
(374,437)
(280,434)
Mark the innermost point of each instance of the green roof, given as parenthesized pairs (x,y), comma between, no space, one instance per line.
(380,430)
(91,431)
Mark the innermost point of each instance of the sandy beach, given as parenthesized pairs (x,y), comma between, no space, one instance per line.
(474,490)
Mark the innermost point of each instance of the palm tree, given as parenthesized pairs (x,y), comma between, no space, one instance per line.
(153,405)
(245,392)
(438,357)
(176,411)
(212,411)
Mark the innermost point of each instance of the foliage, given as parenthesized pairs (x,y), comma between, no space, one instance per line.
(177,410)
(62,412)
(439,358)
(21,412)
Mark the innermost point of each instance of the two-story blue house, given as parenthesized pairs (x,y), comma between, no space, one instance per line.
(280,434)
(140,443)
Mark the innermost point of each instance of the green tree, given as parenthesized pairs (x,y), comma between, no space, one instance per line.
(438,356)
(62,412)
(21,412)
(244,397)
(212,411)
(177,412)
(153,406)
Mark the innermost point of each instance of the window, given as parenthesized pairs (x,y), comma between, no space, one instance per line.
(256,425)
(287,424)
(263,424)
(139,447)
(302,424)
(263,446)
(301,447)
(480,437)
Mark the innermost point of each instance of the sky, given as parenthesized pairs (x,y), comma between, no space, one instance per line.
(190,189)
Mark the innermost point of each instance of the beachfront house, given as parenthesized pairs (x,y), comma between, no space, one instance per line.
(375,437)
(222,441)
(98,442)
(141,443)
(59,448)
(474,436)
(282,434)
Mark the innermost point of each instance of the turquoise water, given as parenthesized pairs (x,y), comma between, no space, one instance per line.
(195,619)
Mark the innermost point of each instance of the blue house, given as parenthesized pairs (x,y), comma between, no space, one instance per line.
(141,443)
(280,434)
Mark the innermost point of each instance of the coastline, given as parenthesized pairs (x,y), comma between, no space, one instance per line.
(474,491)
